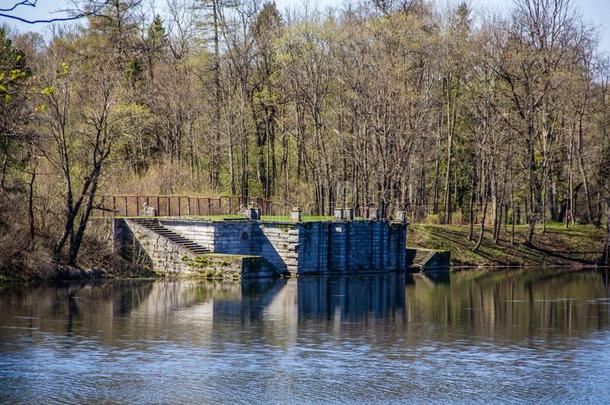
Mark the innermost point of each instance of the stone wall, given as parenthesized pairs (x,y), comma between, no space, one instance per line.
(122,239)
(211,265)
(272,241)
(351,247)
(278,243)
(200,232)
(428,259)
(168,258)
(305,248)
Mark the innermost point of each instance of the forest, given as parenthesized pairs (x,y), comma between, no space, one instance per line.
(455,115)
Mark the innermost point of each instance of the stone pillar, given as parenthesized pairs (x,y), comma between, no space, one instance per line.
(296,215)
(254,214)
(339,214)
(375,214)
(148,211)
(349,214)
(401,216)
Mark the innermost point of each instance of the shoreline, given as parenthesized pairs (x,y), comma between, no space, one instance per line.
(99,275)
(577,247)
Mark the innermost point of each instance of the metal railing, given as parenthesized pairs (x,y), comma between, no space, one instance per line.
(180,205)
(169,206)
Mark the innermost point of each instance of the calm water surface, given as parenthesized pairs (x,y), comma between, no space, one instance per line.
(486,336)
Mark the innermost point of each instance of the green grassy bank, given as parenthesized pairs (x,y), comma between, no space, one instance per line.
(577,245)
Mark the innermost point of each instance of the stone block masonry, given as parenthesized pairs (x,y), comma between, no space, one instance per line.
(168,258)
(140,243)
(351,247)
(338,247)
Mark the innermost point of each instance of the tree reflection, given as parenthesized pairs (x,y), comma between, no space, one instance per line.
(504,305)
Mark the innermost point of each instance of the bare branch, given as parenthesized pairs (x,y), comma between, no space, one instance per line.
(28,3)
(96,8)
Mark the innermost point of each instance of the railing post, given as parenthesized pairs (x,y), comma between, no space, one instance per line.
(295,215)
(349,214)
(401,216)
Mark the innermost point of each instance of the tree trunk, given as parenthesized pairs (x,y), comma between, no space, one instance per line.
(471,207)
(435,195)
(606,254)
(482,229)
(215,172)
(569,197)
(532,189)
(544,206)
(232,166)
(3,172)
(500,212)
(31,205)
(448,180)
(513,208)
(76,239)
(581,168)
(68,227)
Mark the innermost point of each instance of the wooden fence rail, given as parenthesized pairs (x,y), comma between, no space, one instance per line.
(176,206)
(131,205)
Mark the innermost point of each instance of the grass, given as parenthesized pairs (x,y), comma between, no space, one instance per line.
(577,245)
(304,218)
(213,218)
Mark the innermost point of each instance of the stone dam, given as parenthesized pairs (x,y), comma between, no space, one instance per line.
(254,248)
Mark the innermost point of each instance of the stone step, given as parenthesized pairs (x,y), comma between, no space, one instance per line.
(155,226)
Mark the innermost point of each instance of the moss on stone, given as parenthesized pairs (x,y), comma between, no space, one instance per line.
(285,227)
(198,262)
(217,266)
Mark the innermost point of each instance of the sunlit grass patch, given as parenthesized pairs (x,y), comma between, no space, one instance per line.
(576,245)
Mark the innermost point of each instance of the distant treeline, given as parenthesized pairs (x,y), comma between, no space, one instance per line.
(491,119)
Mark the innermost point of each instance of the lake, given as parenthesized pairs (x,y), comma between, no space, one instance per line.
(518,336)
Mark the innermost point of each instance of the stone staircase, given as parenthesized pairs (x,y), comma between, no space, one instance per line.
(420,257)
(416,257)
(427,259)
(155,226)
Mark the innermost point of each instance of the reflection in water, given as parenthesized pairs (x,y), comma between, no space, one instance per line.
(351,299)
(509,335)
